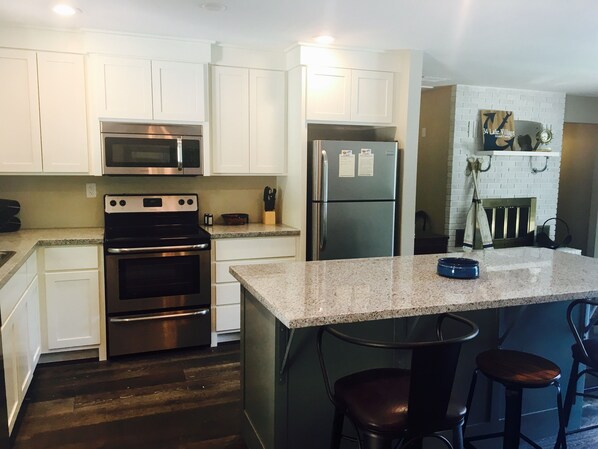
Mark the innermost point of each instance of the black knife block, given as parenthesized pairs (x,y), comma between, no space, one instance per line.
(9,222)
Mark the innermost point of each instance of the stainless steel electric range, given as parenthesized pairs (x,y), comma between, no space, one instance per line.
(157,272)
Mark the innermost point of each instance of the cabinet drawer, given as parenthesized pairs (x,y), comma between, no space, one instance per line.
(222,274)
(228,318)
(228,293)
(71,258)
(255,248)
(12,292)
(31,266)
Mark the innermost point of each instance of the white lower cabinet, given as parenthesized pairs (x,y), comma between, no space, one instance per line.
(226,302)
(20,338)
(72,297)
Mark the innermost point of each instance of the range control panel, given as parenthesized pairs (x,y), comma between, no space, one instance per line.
(115,204)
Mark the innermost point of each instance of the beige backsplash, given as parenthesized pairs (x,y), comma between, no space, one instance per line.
(60,201)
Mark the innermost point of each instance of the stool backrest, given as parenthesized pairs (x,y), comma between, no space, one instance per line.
(580,330)
(433,367)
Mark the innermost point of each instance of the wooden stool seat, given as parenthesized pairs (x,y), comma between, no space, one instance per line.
(517,369)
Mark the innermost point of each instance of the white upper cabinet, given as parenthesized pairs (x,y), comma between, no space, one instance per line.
(124,88)
(140,89)
(345,95)
(20,144)
(178,91)
(249,121)
(62,110)
(43,113)
(328,94)
(371,96)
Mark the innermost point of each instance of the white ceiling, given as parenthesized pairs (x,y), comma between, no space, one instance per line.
(530,44)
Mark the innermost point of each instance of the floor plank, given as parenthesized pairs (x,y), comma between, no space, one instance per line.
(188,399)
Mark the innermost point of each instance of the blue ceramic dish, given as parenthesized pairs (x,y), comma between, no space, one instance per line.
(458,267)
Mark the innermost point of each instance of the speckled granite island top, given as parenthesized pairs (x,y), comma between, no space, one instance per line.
(24,242)
(305,294)
(250,230)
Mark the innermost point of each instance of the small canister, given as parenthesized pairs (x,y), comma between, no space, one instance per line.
(208,219)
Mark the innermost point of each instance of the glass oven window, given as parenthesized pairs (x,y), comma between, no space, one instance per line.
(158,276)
(132,152)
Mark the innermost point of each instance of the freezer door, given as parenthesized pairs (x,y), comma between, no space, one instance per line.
(353,170)
(351,230)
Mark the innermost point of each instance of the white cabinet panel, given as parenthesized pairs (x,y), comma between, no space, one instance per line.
(230,102)
(71,258)
(24,367)
(63,112)
(20,144)
(12,292)
(35,344)
(228,317)
(178,91)
(267,132)
(371,96)
(72,303)
(228,293)
(255,248)
(328,94)
(124,88)
(9,356)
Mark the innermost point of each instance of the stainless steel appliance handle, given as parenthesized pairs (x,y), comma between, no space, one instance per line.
(324,174)
(323,225)
(153,249)
(159,317)
(179,153)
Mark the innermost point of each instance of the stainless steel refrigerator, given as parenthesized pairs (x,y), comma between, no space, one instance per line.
(351,199)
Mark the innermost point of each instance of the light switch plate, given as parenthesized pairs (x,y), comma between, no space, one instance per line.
(90,190)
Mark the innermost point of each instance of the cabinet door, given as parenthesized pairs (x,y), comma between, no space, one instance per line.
(328,94)
(21,332)
(230,100)
(73,309)
(178,91)
(267,121)
(20,145)
(63,112)
(9,357)
(124,88)
(35,344)
(371,96)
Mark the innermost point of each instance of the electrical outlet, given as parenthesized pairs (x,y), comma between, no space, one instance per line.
(90,190)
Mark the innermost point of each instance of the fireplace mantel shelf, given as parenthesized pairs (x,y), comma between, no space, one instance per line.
(519,153)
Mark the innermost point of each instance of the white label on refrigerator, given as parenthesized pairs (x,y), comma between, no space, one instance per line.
(365,163)
(346,164)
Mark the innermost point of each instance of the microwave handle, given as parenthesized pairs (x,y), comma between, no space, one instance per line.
(179,153)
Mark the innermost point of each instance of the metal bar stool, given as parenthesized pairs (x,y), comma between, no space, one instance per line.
(387,404)
(516,371)
(584,352)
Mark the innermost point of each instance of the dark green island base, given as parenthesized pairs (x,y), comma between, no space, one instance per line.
(284,403)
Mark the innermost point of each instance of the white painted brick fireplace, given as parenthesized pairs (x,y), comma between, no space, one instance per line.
(510,176)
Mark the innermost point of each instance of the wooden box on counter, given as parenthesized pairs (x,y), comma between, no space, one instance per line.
(269,217)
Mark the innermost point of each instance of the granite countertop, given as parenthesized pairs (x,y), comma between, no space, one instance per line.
(250,230)
(305,294)
(25,241)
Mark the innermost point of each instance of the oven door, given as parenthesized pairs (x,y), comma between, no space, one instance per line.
(146,279)
(126,154)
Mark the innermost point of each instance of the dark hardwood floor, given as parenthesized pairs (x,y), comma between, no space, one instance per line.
(182,399)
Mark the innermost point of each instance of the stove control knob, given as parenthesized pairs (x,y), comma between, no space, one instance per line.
(113,203)
(122,203)
(181,202)
(189,202)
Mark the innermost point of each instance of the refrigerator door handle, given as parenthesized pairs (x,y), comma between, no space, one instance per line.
(324,189)
(323,225)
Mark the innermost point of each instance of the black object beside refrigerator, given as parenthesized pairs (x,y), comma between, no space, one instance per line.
(352,189)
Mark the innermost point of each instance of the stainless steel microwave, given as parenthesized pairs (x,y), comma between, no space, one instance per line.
(149,149)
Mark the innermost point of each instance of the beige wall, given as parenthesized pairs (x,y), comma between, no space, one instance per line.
(60,201)
(580,146)
(432,162)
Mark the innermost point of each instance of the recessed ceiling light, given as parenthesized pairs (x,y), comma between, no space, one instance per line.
(65,10)
(324,39)
(213,6)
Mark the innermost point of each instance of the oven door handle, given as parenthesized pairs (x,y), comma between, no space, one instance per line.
(160,317)
(153,249)
(179,153)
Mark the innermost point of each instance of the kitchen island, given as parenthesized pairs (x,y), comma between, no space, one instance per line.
(522,292)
